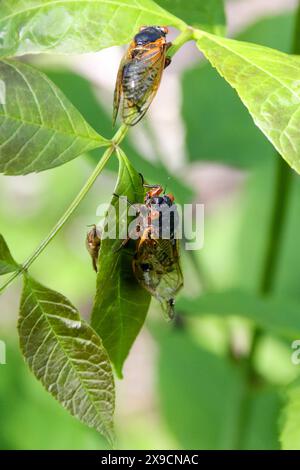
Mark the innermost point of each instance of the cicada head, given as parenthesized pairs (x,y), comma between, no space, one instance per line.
(148,34)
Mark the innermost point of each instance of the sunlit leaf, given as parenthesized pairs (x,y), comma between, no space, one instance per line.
(121,304)
(7,263)
(40,128)
(208,15)
(67,356)
(34,26)
(274,313)
(268,83)
(239,143)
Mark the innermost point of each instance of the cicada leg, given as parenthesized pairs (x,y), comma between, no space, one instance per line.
(168,59)
(122,245)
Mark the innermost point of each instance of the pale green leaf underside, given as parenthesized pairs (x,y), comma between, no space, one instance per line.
(207,15)
(39,127)
(74,26)
(277,314)
(67,356)
(268,83)
(121,304)
(7,263)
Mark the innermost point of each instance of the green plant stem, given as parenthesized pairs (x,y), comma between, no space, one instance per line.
(284,177)
(181,39)
(116,140)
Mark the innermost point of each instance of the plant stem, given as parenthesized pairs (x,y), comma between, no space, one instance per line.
(284,176)
(118,137)
(181,39)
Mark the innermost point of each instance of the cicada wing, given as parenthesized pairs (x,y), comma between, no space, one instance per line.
(118,88)
(158,270)
(170,284)
(141,80)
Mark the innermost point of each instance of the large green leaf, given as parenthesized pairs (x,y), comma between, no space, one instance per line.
(74,26)
(40,128)
(239,143)
(267,81)
(200,394)
(290,429)
(274,313)
(121,304)
(67,356)
(7,263)
(208,15)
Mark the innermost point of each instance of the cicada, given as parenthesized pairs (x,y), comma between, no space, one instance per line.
(140,73)
(156,263)
(93,242)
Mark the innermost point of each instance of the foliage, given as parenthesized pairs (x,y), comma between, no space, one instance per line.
(120,305)
(48,118)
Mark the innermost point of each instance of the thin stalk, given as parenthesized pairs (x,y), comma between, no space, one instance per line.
(284,177)
(181,39)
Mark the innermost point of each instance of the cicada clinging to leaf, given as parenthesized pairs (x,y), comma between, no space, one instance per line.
(156,263)
(140,73)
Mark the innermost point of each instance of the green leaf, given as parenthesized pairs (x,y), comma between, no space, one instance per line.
(261,431)
(75,26)
(46,425)
(275,313)
(239,143)
(290,429)
(67,356)
(7,263)
(268,83)
(121,304)
(200,394)
(40,128)
(208,15)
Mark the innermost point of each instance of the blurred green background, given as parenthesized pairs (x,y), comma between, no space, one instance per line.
(183,386)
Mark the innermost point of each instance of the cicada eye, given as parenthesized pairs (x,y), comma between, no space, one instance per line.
(164,30)
(146,267)
(171,197)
